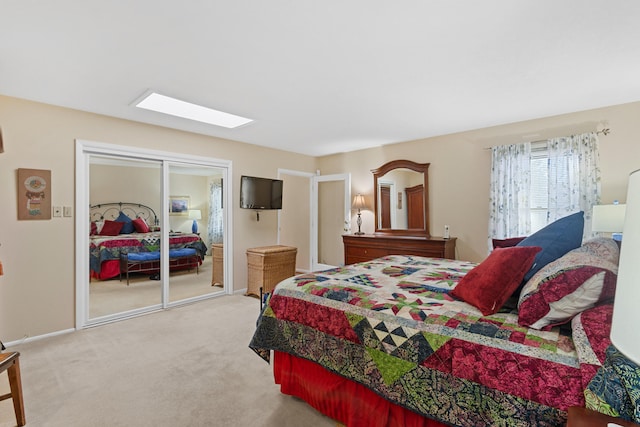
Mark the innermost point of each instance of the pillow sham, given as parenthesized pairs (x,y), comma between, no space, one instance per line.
(127,225)
(556,239)
(506,243)
(140,225)
(491,283)
(111,228)
(573,283)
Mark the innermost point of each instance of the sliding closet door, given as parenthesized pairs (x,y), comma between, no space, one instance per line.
(196,235)
(128,186)
(178,264)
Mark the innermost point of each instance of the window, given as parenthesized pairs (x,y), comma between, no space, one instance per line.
(539,194)
(534,184)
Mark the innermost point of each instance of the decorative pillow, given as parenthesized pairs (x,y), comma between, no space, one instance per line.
(111,228)
(491,283)
(94,229)
(127,227)
(556,239)
(140,225)
(571,284)
(506,243)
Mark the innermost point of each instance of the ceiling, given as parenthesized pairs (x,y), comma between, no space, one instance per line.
(322,77)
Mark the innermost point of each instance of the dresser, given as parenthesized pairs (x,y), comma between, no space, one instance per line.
(369,246)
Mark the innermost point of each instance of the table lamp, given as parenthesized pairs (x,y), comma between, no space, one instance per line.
(358,203)
(624,327)
(609,219)
(195,215)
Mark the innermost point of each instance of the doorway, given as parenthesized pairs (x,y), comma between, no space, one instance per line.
(328,217)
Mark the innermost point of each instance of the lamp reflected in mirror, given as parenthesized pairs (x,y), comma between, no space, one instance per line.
(358,203)
(195,215)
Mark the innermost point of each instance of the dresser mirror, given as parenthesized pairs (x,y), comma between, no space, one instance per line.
(401,199)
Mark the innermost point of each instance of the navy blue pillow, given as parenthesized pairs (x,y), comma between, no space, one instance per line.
(556,239)
(127,225)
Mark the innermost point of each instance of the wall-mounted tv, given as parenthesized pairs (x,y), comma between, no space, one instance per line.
(260,193)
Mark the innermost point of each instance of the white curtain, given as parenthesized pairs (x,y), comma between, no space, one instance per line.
(574,177)
(215,225)
(509,194)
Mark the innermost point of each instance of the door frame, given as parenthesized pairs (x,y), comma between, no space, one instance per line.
(83,150)
(315,180)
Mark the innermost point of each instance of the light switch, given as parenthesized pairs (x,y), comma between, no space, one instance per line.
(57,211)
(67,211)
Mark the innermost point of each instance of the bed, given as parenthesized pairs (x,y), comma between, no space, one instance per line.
(391,342)
(122,228)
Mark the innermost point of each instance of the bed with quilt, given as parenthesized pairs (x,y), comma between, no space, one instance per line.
(410,341)
(126,228)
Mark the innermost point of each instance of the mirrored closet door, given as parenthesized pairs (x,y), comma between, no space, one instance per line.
(196,235)
(155,230)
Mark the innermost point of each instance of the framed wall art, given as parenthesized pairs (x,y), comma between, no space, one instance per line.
(179,205)
(34,194)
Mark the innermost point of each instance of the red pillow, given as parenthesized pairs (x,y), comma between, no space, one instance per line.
(111,228)
(140,225)
(94,229)
(506,243)
(490,284)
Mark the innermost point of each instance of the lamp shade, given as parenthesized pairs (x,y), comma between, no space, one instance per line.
(195,214)
(358,202)
(624,328)
(608,218)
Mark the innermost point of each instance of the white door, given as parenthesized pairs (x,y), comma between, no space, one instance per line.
(331,196)
(326,208)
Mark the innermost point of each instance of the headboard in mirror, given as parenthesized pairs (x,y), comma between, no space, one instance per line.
(111,211)
(401,198)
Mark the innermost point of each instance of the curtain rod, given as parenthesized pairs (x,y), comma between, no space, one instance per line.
(604,132)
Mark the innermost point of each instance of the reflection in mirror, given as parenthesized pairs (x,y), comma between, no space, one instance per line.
(401,198)
(130,187)
(201,188)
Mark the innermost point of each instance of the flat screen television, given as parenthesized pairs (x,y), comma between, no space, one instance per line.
(260,193)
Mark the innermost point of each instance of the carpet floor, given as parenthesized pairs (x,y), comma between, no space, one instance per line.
(186,366)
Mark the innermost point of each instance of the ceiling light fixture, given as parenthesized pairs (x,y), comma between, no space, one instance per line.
(175,107)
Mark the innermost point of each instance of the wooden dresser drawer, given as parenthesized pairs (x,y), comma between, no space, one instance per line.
(361,248)
(359,251)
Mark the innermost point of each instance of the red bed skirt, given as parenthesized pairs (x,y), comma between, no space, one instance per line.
(346,401)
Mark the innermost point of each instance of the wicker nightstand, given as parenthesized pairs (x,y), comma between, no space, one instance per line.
(267,266)
(582,417)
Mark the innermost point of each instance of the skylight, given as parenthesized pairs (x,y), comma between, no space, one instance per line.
(175,107)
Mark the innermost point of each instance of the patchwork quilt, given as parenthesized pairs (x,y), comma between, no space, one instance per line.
(391,325)
(104,248)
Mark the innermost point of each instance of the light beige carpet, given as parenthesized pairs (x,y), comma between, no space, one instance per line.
(114,296)
(187,366)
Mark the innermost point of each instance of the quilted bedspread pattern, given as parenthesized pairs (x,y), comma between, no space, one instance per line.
(391,325)
(104,248)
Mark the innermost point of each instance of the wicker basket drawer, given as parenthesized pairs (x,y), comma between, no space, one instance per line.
(269,265)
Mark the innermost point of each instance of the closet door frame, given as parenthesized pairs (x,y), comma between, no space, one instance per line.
(84,149)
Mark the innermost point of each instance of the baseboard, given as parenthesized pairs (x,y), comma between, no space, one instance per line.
(39,337)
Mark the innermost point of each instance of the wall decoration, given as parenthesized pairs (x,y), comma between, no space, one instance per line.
(399,199)
(179,205)
(34,194)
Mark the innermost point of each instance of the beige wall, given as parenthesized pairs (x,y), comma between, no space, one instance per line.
(460,168)
(37,291)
